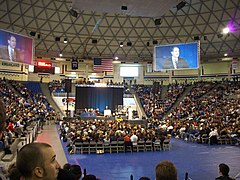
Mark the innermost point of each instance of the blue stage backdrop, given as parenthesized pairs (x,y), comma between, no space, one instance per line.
(98,97)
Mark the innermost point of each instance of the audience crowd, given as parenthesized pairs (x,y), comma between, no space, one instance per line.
(207,113)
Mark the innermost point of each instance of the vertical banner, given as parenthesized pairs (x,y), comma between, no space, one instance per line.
(63,69)
(234,64)
(74,63)
(149,67)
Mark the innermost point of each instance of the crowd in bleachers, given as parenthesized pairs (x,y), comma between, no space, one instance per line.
(56,86)
(23,109)
(151,101)
(207,112)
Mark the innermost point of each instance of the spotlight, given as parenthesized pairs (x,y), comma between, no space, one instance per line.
(60,54)
(73,12)
(181,5)
(65,40)
(121,44)
(226,30)
(225,54)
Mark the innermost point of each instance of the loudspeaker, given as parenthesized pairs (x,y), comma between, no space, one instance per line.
(94,41)
(158,21)
(148,43)
(155,42)
(155,87)
(129,43)
(124,8)
(68,85)
(32,33)
(196,38)
(57,38)
(73,13)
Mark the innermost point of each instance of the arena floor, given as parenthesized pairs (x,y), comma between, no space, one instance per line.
(200,161)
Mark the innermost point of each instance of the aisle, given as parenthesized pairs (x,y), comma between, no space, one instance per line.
(50,136)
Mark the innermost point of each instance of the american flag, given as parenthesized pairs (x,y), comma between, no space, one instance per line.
(103,65)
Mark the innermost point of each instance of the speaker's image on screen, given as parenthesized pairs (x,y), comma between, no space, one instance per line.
(129,71)
(176,56)
(15,47)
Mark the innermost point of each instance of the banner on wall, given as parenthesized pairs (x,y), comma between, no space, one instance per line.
(234,64)
(74,63)
(149,68)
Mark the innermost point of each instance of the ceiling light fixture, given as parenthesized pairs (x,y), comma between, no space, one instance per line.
(121,44)
(65,40)
(226,30)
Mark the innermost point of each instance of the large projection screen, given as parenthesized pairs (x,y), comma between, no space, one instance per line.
(176,56)
(15,47)
(98,97)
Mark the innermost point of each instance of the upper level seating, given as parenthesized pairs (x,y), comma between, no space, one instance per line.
(34,87)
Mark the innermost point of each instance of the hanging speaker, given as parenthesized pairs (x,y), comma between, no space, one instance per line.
(68,85)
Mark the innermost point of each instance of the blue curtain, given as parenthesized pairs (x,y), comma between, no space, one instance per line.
(98,97)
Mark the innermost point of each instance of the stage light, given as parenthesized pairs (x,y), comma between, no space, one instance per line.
(225,54)
(121,44)
(226,30)
(60,54)
(65,40)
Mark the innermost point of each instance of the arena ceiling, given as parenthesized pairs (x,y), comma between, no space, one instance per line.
(132,22)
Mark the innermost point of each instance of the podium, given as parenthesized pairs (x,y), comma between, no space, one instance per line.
(107,112)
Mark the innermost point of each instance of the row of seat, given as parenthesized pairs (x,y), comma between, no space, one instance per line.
(223,139)
(19,142)
(119,146)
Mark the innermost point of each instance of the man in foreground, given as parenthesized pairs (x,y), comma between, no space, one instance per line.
(37,161)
